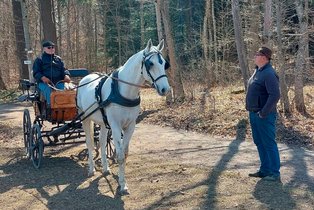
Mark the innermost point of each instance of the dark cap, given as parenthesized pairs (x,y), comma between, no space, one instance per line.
(48,44)
(265,51)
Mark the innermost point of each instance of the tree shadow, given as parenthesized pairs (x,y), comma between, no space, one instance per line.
(213,176)
(60,184)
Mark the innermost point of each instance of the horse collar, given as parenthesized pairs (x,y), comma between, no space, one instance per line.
(115,96)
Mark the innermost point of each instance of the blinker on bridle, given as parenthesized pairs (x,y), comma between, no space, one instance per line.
(146,61)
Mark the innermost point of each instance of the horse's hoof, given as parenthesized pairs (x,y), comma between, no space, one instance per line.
(123,192)
(91,173)
(106,173)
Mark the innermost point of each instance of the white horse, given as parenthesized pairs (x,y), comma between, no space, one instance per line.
(146,65)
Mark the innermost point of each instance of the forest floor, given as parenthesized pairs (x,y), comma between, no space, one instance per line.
(193,155)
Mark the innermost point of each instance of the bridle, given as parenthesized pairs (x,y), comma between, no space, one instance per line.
(147,63)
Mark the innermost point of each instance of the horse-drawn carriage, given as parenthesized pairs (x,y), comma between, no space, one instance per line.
(57,124)
(110,101)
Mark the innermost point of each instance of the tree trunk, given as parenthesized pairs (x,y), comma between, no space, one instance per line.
(118,28)
(239,41)
(19,38)
(215,50)
(175,74)
(142,23)
(59,28)
(209,74)
(254,42)
(300,62)
(267,22)
(48,22)
(281,63)
(27,38)
(103,11)
(158,20)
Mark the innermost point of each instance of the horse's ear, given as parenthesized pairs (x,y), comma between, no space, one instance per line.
(149,45)
(161,45)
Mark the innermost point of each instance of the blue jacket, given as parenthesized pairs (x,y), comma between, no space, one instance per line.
(50,66)
(263,91)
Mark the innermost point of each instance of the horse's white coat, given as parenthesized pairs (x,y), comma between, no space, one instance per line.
(121,119)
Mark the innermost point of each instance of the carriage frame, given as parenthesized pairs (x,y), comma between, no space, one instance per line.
(55,125)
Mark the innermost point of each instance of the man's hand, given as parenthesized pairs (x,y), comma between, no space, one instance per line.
(67,79)
(45,80)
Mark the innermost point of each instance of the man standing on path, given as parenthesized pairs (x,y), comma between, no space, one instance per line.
(261,100)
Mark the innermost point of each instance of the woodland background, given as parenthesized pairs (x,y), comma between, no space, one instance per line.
(210,43)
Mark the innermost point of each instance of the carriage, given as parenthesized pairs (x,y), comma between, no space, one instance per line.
(56,125)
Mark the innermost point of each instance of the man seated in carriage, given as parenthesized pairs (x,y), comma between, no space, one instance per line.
(49,70)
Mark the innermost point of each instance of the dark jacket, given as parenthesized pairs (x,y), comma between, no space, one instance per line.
(263,91)
(50,66)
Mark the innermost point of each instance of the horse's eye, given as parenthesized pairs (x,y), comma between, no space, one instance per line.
(151,63)
(167,65)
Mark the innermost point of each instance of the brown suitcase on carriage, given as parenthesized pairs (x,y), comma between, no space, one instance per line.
(63,105)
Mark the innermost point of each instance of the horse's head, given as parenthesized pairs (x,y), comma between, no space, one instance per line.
(155,67)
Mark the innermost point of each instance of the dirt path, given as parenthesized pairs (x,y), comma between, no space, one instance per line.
(166,169)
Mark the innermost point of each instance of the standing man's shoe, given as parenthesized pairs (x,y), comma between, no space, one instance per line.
(257,174)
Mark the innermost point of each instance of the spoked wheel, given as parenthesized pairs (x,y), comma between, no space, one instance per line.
(111,151)
(37,146)
(27,126)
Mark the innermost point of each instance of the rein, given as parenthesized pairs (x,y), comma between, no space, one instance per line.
(149,55)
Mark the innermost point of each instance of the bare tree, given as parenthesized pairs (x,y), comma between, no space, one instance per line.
(267,21)
(19,38)
(281,63)
(48,22)
(175,74)
(300,62)
(209,73)
(239,41)
(158,20)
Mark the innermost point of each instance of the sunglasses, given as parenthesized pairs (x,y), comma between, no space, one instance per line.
(50,47)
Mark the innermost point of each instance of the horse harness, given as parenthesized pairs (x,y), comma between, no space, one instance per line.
(115,96)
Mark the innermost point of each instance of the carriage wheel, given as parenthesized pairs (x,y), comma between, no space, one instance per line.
(111,151)
(27,126)
(37,146)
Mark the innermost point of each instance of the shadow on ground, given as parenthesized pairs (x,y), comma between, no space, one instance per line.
(60,183)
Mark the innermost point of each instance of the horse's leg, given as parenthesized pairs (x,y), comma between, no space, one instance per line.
(103,143)
(116,135)
(127,135)
(87,126)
